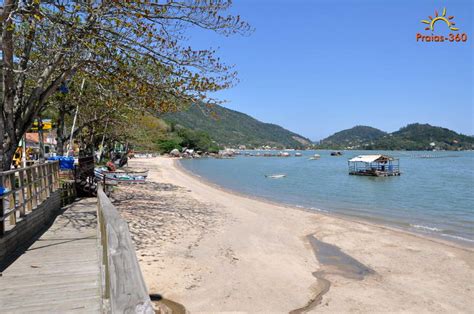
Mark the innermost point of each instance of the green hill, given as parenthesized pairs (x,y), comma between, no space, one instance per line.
(232,128)
(411,137)
(424,137)
(355,137)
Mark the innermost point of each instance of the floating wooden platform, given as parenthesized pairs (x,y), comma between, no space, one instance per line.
(60,272)
(375,173)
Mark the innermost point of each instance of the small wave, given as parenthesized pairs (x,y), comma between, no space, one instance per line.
(319,210)
(427,228)
(312,208)
(457,237)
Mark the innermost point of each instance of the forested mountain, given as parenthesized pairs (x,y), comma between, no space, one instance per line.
(424,136)
(411,137)
(232,128)
(353,137)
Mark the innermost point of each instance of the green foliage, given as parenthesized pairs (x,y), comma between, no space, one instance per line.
(354,137)
(150,133)
(231,128)
(134,56)
(411,137)
(421,137)
(197,140)
(167,145)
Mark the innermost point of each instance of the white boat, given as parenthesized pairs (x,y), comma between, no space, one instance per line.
(315,157)
(121,175)
(275,176)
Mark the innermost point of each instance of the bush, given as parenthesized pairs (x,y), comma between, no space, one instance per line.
(197,140)
(168,145)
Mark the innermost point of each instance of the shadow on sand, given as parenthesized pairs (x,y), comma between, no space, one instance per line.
(333,262)
(163,305)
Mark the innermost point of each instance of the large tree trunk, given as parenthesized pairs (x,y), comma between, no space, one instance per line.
(7,131)
(61,130)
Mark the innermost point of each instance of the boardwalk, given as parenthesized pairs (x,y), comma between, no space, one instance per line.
(60,272)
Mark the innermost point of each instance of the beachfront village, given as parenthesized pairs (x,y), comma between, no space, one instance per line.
(106,108)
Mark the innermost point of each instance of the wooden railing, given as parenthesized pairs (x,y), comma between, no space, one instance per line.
(124,289)
(26,188)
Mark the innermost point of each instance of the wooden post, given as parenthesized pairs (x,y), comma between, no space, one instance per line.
(2,211)
(44,182)
(56,175)
(29,195)
(21,178)
(39,182)
(49,178)
(36,186)
(12,199)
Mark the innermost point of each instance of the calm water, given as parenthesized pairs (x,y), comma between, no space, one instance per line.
(433,195)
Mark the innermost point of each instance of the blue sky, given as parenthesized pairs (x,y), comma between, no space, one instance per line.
(316,67)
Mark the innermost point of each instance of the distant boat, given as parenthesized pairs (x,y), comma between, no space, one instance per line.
(298,154)
(275,176)
(121,175)
(336,154)
(315,157)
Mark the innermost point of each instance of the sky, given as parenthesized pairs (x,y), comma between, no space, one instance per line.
(317,67)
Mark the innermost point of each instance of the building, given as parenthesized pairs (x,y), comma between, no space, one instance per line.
(374,165)
(49,140)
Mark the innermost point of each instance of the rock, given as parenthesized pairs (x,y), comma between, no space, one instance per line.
(175,153)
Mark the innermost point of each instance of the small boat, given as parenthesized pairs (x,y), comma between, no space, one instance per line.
(336,154)
(275,176)
(315,157)
(298,154)
(132,171)
(121,175)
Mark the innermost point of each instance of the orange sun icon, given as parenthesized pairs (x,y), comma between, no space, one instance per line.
(437,18)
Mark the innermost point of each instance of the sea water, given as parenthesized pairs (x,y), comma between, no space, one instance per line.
(433,195)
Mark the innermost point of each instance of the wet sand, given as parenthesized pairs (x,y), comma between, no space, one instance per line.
(212,251)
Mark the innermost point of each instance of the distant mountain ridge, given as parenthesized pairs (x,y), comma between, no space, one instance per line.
(414,136)
(354,137)
(231,128)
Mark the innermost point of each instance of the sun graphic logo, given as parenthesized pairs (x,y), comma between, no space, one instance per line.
(448,20)
(441,18)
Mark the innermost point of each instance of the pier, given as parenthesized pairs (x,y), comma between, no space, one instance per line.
(73,258)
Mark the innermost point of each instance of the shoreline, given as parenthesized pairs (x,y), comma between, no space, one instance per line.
(212,250)
(379,223)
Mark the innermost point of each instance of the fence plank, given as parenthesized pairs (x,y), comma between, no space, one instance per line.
(29,176)
(124,284)
(21,177)
(27,189)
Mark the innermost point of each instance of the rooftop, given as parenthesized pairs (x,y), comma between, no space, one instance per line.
(370,158)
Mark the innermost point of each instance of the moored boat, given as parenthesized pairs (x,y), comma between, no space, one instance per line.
(121,175)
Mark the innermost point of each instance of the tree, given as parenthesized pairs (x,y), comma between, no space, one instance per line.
(134,48)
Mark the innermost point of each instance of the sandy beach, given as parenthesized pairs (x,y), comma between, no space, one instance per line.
(215,251)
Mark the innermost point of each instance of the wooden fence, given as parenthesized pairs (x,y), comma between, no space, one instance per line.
(123,286)
(26,188)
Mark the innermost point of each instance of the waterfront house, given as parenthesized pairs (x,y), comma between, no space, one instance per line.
(374,165)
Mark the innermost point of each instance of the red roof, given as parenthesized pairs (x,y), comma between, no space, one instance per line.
(48,138)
